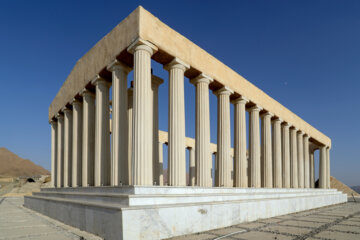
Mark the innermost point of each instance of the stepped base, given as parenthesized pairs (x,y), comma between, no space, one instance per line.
(134,212)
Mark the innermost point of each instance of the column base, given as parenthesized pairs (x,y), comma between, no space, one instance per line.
(134,212)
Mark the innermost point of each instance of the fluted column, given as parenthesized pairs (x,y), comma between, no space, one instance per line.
(285,144)
(312,170)
(60,151)
(306,162)
(322,168)
(223,137)
(277,164)
(300,154)
(53,152)
(102,132)
(119,134)
(266,151)
(130,131)
(155,83)
(202,131)
(161,162)
(142,165)
(77,142)
(176,150)
(254,148)
(67,146)
(88,138)
(328,168)
(293,158)
(192,167)
(240,161)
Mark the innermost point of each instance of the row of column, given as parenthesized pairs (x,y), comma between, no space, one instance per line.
(81,135)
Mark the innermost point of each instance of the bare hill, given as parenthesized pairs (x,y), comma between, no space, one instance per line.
(356,189)
(334,183)
(11,165)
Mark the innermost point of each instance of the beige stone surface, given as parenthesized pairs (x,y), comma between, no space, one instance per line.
(141,23)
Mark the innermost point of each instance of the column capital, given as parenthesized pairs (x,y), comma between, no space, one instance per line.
(98,80)
(286,124)
(177,63)
(75,101)
(300,132)
(306,136)
(118,66)
(66,110)
(141,44)
(293,128)
(201,78)
(241,100)
(266,114)
(277,120)
(156,81)
(256,108)
(52,121)
(224,91)
(86,92)
(59,116)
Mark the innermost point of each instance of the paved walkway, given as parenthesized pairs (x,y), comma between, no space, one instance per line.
(334,222)
(17,222)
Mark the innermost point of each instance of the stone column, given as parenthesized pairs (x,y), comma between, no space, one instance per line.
(240,160)
(119,134)
(285,144)
(277,164)
(300,154)
(312,170)
(322,168)
(155,83)
(102,132)
(254,148)
(67,146)
(142,165)
(328,168)
(202,131)
(266,151)
(77,142)
(88,138)
(53,152)
(192,167)
(176,150)
(60,151)
(160,167)
(224,137)
(306,162)
(130,131)
(293,159)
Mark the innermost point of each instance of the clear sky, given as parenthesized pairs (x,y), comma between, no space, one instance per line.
(305,54)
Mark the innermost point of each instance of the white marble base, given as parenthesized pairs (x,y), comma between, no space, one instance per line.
(162,212)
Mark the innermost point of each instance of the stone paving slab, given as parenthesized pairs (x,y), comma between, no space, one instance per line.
(339,222)
(17,222)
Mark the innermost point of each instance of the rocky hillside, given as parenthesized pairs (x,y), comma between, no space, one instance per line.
(334,183)
(11,165)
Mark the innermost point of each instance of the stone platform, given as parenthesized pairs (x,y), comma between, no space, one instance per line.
(134,212)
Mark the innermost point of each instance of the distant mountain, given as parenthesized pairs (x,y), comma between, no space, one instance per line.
(356,189)
(11,165)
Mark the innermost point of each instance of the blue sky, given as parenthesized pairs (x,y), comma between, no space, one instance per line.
(305,54)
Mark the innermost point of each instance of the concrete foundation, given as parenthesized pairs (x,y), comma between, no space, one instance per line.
(134,212)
